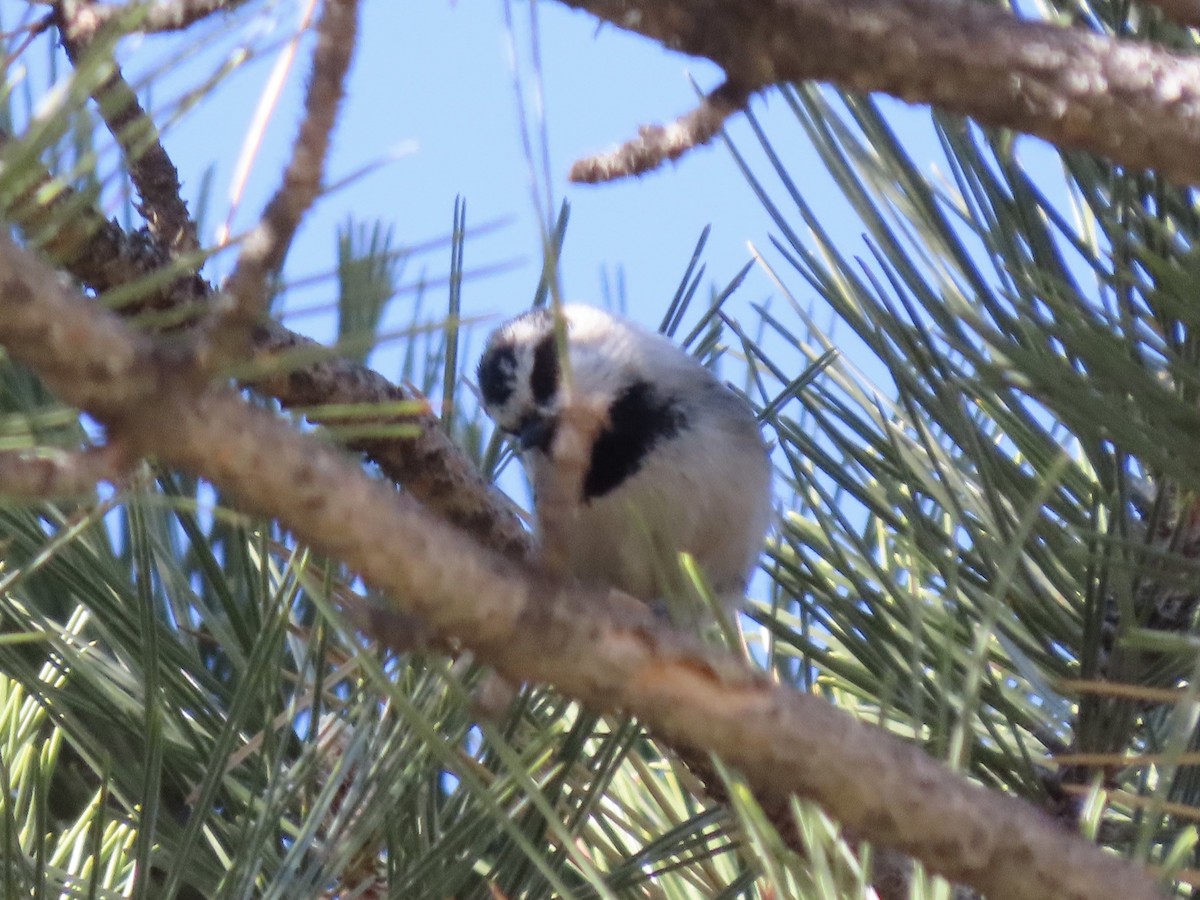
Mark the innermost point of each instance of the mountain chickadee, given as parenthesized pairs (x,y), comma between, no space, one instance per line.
(674,461)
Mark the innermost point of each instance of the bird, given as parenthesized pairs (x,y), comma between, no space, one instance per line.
(670,462)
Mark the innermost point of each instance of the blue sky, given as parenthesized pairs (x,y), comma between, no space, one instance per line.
(434,80)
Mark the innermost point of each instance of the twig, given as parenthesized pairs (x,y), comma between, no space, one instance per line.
(656,144)
(150,168)
(256,129)
(529,628)
(32,31)
(1136,103)
(264,249)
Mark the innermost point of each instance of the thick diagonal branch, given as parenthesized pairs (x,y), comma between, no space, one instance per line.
(528,628)
(1136,103)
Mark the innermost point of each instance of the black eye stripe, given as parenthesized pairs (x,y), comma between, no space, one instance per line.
(496,374)
(543,380)
(637,421)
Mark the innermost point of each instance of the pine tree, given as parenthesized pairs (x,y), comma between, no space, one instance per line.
(985,419)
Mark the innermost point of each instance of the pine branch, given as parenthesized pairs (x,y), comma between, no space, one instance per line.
(528,628)
(1131,101)
(429,465)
